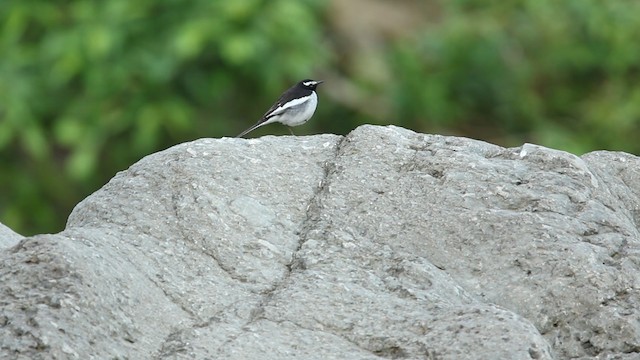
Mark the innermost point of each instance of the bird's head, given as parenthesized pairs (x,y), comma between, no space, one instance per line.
(310,84)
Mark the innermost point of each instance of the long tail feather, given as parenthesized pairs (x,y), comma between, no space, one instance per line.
(257,125)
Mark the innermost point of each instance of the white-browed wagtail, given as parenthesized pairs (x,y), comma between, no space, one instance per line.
(295,106)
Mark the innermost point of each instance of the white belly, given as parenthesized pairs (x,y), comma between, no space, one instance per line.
(300,114)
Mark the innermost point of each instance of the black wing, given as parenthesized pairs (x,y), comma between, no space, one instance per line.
(288,95)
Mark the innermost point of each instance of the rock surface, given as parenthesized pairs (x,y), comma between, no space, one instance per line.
(381,244)
(8,237)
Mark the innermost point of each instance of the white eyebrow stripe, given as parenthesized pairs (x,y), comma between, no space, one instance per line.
(287,105)
(307,83)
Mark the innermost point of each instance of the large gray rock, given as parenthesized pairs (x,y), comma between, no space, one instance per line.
(382,244)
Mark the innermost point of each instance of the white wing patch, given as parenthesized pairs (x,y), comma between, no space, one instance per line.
(290,104)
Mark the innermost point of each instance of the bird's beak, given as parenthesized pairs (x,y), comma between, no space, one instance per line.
(318,82)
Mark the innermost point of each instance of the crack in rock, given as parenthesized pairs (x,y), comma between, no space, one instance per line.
(312,215)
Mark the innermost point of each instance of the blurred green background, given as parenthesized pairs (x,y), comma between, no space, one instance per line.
(87,88)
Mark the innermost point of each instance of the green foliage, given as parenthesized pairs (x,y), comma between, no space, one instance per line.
(563,74)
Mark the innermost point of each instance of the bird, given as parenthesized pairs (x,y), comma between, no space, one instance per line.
(294,107)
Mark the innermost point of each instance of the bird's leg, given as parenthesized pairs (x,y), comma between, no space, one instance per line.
(291,131)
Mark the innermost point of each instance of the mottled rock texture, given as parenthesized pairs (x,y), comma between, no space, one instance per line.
(384,244)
